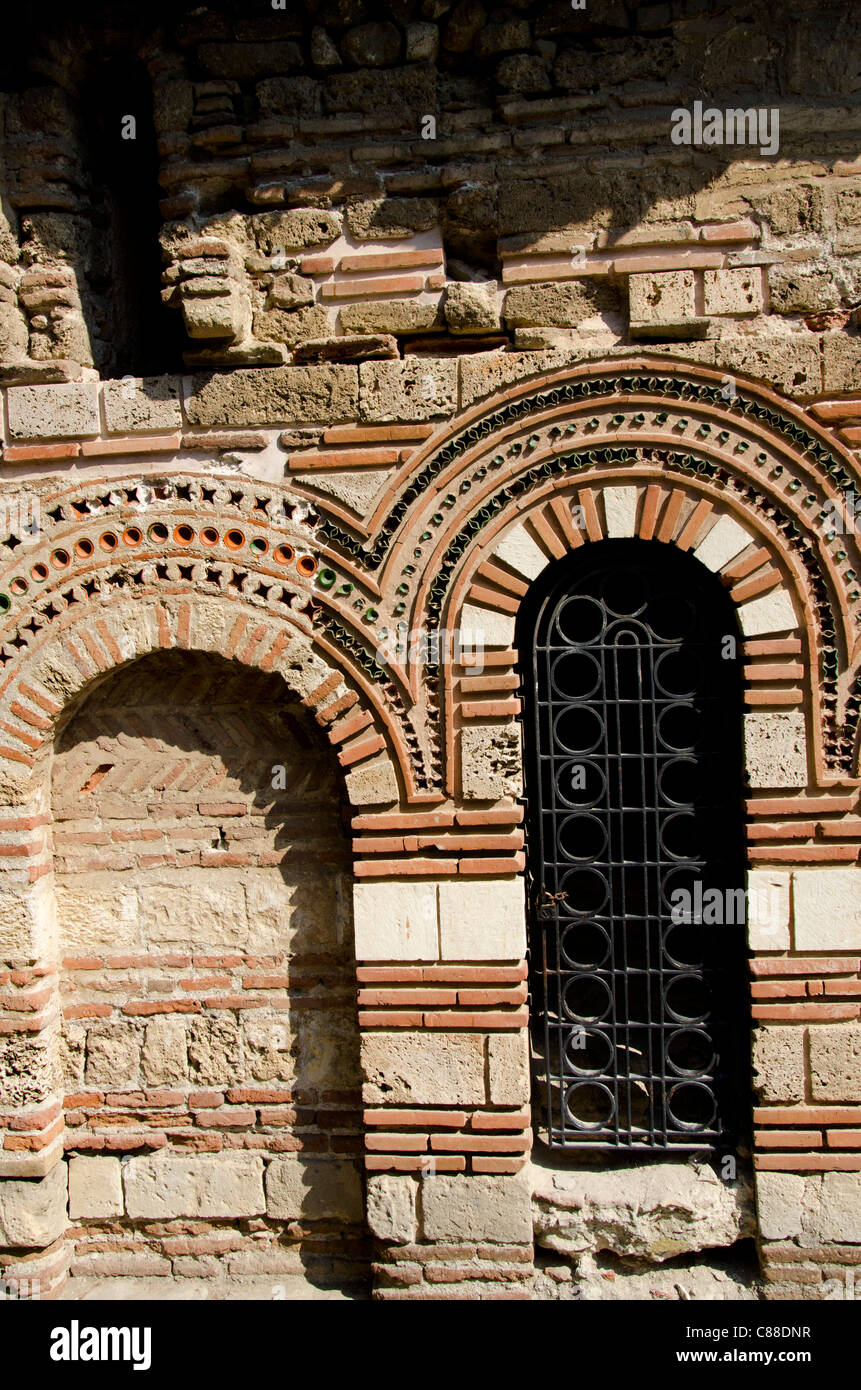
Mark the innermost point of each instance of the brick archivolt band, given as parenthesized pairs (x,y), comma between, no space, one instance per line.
(98,591)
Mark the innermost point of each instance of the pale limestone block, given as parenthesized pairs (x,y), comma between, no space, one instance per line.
(68,409)
(620,511)
(827,909)
(768,910)
(778,1063)
(164,1187)
(422,1068)
(95,1188)
(492,1208)
(780,1205)
(417,388)
(775,751)
(391,1208)
(33,1211)
(838,1217)
(294,395)
(648,1211)
(482,919)
(490,761)
(724,541)
(214,1049)
(519,550)
(481,627)
(733,291)
(327,1051)
(835,1063)
(190,908)
(662,298)
(508,1068)
(372,784)
(268,1048)
(396,920)
(312,1189)
(771,613)
(309,914)
(165,1052)
(113,1056)
(98,915)
(142,403)
(357,488)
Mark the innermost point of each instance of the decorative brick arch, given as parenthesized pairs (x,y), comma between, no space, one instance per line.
(117,572)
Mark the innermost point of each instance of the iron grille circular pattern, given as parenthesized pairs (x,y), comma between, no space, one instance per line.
(634,792)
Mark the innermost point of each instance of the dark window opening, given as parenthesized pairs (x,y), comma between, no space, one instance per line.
(639,993)
(131,332)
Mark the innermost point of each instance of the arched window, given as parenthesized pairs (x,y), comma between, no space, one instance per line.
(631,673)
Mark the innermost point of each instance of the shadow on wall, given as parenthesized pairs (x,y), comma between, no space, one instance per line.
(565,116)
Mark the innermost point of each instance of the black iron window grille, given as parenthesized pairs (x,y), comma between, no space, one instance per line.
(640,1014)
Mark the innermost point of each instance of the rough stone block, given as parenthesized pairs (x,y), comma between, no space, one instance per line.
(391,1208)
(490,761)
(520,551)
(838,1217)
(508,1068)
(662,300)
(376,219)
(296,229)
(492,1209)
(780,1205)
(734,291)
(29,1071)
(396,920)
(827,909)
(33,1211)
(325,394)
(472,308)
(415,389)
(95,1188)
(559,304)
(141,403)
(113,1056)
(412,1068)
(835,1063)
(101,914)
(68,410)
(218,1185)
(214,1050)
(482,919)
(392,316)
(775,750)
(299,1188)
(778,1063)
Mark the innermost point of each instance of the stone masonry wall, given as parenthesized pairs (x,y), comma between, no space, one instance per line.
(440,302)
